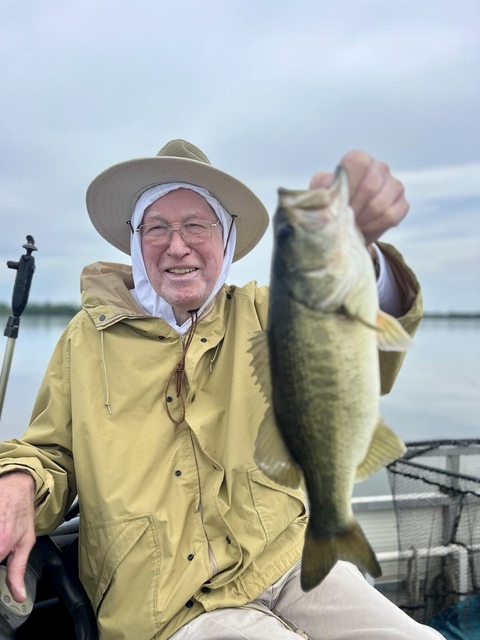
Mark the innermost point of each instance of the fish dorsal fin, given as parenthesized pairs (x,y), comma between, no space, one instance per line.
(391,335)
(261,363)
(385,447)
(272,456)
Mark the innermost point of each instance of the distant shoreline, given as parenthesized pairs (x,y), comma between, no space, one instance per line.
(453,315)
(45,309)
(65,309)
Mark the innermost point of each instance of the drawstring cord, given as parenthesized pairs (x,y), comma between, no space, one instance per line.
(214,357)
(104,364)
(233,216)
(179,372)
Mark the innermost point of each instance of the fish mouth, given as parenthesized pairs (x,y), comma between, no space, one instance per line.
(313,209)
(307,200)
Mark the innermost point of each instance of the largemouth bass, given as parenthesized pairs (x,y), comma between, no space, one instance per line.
(322,382)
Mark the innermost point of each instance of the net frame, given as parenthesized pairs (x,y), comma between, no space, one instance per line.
(436,495)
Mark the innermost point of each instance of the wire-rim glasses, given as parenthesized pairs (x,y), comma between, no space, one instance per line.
(192,231)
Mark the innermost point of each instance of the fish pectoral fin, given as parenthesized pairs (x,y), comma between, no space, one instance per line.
(354,314)
(261,362)
(321,554)
(385,447)
(391,335)
(272,456)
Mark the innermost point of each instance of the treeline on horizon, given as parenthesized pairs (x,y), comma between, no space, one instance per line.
(452,314)
(43,309)
(66,309)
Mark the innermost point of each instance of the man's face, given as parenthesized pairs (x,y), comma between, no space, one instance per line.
(182,274)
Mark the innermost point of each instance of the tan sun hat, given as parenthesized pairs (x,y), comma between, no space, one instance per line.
(112,195)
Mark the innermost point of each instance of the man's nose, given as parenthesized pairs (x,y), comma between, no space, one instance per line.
(177,241)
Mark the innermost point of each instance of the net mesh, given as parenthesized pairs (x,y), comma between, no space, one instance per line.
(436,493)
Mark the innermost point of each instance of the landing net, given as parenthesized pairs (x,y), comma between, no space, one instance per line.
(436,494)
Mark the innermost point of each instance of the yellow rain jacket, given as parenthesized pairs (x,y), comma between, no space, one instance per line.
(175,519)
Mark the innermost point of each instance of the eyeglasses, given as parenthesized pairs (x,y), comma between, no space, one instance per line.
(192,232)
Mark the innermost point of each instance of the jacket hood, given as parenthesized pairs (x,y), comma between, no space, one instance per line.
(106,296)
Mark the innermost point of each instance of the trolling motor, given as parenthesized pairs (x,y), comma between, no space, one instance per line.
(25,269)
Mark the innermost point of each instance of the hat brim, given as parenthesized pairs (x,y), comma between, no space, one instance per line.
(111,197)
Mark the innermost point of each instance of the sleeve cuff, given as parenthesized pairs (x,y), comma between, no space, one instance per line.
(388,294)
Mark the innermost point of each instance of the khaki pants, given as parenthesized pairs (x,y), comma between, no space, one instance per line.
(343,607)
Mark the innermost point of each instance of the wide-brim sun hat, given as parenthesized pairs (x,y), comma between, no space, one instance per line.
(112,195)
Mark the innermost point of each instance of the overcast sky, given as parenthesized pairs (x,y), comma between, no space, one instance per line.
(271,91)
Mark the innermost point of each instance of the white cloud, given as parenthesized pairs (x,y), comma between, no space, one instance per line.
(456,181)
(271,92)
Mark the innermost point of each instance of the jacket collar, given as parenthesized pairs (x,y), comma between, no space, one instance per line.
(106,296)
(107,299)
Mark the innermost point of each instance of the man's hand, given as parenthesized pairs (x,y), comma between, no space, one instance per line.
(376,197)
(17,530)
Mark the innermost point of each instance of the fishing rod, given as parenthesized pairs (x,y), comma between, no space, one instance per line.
(25,268)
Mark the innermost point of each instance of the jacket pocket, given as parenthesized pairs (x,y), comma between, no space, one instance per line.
(124,575)
(276,506)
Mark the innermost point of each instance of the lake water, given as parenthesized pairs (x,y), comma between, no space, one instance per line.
(437,394)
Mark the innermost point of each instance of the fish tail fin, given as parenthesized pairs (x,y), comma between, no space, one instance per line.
(321,554)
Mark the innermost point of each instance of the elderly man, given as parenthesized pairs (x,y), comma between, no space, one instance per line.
(149,411)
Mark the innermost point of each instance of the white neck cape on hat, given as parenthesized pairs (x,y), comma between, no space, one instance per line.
(144,294)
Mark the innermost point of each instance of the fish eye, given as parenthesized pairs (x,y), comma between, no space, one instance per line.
(285,232)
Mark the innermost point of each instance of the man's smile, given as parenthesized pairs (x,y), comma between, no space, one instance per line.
(181,271)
